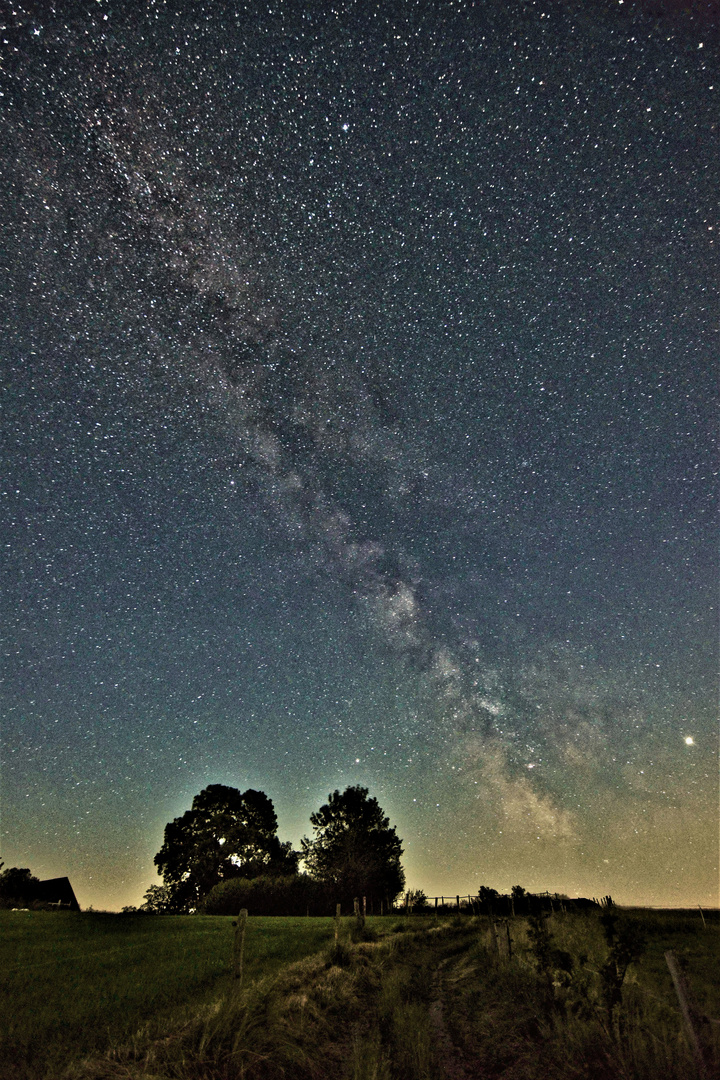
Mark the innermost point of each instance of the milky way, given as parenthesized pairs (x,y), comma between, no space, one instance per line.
(358,429)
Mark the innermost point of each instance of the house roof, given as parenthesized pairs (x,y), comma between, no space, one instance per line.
(58,891)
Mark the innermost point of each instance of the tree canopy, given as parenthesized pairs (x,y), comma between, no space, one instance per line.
(355,848)
(18,887)
(226,834)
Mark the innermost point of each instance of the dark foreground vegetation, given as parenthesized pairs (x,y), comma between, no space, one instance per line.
(563,995)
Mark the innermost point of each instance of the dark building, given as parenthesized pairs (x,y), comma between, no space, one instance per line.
(59,892)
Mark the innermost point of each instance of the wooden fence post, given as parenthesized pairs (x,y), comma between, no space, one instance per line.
(337,922)
(239,945)
(703,918)
(681,989)
(364,907)
(509,940)
(493,933)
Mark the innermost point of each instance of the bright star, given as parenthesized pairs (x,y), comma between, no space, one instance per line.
(689,741)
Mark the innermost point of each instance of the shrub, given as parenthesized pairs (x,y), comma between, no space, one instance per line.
(294,894)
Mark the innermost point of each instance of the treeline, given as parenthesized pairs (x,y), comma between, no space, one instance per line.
(489,901)
(224,854)
(299,894)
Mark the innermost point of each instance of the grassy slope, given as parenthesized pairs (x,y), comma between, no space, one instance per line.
(430,1004)
(507,1022)
(72,983)
(439,1004)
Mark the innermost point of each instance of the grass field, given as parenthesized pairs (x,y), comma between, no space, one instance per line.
(102,997)
(73,983)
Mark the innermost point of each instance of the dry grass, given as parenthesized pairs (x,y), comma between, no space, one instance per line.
(431,1001)
(517,1025)
(366,1019)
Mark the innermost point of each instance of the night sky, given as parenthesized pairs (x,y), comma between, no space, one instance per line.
(359,371)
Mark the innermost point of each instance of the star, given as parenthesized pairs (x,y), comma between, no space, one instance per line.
(459,378)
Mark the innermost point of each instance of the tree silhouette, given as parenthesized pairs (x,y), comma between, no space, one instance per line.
(226,834)
(520,899)
(487,899)
(157,900)
(355,849)
(18,887)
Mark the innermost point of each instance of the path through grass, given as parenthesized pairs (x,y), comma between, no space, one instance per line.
(436,1001)
(442,1003)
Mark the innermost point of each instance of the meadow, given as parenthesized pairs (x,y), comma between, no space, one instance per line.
(103,997)
(72,984)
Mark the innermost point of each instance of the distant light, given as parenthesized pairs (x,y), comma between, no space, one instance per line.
(689,741)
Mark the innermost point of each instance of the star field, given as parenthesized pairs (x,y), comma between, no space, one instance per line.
(359,367)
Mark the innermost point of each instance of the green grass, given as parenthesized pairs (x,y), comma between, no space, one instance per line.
(72,984)
(514,1023)
(101,997)
(367,1019)
(696,947)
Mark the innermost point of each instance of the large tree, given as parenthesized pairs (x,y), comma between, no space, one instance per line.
(18,887)
(226,834)
(355,849)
